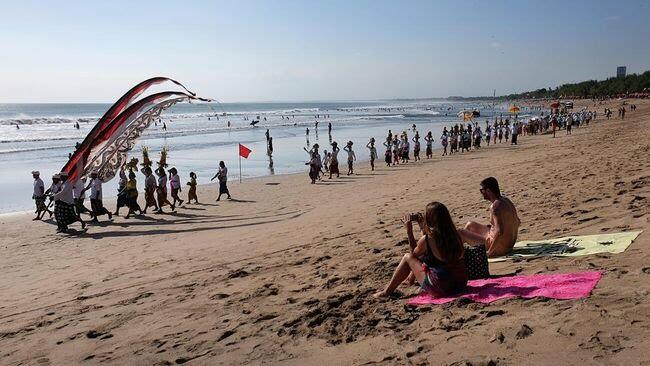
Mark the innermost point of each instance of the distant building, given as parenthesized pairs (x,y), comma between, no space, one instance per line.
(620,71)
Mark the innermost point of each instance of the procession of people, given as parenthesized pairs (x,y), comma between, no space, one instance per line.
(68,198)
(161,183)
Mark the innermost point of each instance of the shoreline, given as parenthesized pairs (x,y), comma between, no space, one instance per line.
(198,153)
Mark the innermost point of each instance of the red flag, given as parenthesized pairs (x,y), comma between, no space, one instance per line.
(244,151)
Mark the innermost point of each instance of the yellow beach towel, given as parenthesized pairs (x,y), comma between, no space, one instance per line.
(572,246)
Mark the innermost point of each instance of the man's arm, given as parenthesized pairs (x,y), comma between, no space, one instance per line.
(62,192)
(87,187)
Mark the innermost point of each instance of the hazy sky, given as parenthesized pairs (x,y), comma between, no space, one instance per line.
(93,51)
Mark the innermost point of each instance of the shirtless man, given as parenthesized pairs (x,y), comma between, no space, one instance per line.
(501,234)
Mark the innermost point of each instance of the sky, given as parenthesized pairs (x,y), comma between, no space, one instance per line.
(246,51)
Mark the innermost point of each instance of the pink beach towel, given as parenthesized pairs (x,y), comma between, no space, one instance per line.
(555,286)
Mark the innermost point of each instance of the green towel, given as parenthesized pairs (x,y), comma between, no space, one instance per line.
(572,246)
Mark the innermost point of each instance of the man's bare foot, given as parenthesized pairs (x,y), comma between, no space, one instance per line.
(380,294)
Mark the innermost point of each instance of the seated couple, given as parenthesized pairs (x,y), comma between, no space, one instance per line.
(436,259)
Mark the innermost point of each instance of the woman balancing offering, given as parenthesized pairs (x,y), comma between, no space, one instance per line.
(351,157)
(314,163)
(162,190)
(436,259)
(334,160)
(388,155)
(373,152)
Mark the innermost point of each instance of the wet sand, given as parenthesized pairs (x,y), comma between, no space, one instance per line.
(284,273)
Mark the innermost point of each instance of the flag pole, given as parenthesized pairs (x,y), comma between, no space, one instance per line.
(239,168)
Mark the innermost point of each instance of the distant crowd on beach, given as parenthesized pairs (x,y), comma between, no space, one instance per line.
(459,138)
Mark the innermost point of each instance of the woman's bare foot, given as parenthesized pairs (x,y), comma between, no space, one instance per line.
(379,294)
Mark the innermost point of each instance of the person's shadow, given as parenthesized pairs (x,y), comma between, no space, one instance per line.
(241,201)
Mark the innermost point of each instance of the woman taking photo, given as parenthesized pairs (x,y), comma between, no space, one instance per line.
(436,259)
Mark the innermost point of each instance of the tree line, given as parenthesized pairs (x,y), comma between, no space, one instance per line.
(633,83)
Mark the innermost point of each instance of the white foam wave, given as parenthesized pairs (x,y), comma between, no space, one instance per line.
(46,120)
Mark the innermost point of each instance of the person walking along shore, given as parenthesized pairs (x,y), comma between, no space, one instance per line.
(222,175)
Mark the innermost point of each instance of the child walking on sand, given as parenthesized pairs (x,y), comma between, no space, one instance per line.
(373,152)
(191,193)
(175,185)
(326,160)
(351,157)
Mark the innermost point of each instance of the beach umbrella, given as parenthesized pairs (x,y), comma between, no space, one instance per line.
(513,109)
(466,115)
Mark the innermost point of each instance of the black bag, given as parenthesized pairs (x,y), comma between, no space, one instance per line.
(476,262)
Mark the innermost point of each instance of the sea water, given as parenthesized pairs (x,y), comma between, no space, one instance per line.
(41,136)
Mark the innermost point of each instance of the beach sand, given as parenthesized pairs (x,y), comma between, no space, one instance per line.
(284,274)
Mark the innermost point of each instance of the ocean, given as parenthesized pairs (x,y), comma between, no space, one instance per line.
(40,136)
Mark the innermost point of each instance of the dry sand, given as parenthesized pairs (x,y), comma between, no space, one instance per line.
(284,275)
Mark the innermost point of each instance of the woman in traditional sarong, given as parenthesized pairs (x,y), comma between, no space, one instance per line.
(96,203)
(162,190)
(64,210)
(416,146)
(122,196)
(388,155)
(429,140)
(131,190)
(334,162)
(313,168)
(150,190)
(191,193)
